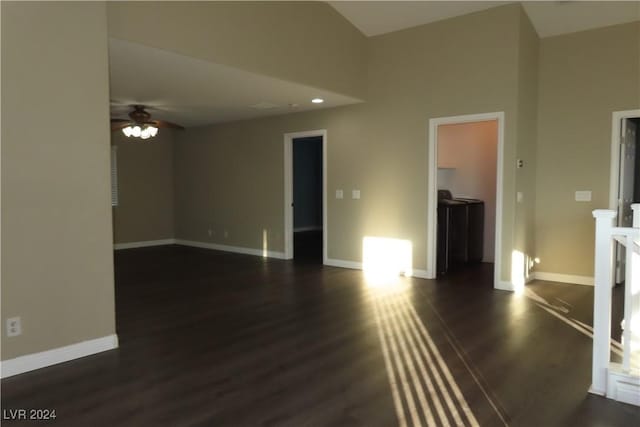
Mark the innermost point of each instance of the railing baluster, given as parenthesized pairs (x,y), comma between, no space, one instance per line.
(634,285)
(628,286)
(603,275)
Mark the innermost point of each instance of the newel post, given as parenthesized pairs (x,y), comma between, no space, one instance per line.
(603,276)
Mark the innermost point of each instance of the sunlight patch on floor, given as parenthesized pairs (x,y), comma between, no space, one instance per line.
(562,313)
(423,388)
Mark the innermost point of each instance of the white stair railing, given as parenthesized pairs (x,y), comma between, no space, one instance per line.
(620,382)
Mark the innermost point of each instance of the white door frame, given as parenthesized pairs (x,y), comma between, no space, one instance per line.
(616,128)
(288,190)
(432,186)
(614,179)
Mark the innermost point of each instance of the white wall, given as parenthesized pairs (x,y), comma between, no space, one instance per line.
(468,151)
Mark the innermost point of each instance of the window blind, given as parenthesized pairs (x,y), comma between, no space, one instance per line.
(114,176)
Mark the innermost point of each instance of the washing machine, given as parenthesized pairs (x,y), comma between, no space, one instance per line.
(475,229)
(452,234)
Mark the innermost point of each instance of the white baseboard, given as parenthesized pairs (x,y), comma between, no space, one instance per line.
(504,285)
(563,278)
(343,264)
(205,245)
(309,228)
(355,265)
(144,244)
(422,274)
(623,387)
(34,361)
(234,249)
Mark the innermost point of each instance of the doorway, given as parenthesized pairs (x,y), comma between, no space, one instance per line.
(468,226)
(625,176)
(305,202)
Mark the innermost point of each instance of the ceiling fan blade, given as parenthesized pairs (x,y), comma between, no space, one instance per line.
(165,124)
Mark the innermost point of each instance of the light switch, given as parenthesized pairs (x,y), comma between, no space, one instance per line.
(339,194)
(519,197)
(355,194)
(583,196)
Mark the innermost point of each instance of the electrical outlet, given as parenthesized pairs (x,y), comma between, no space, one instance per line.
(14,327)
(226,234)
(583,196)
(210,232)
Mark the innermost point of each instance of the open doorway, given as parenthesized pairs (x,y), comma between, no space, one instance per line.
(625,176)
(305,196)
(465,194)
(307,199)
(624,190)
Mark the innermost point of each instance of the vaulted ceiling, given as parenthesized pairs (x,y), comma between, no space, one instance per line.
(549,18)
(215,93)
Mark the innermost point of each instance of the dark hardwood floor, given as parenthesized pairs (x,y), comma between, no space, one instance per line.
(216,339)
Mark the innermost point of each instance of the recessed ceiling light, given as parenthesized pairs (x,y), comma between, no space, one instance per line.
(317,100)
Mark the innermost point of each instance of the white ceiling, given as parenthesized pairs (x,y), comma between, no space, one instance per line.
(193,92)
(549,18)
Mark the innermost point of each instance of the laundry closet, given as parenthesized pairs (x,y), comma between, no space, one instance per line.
(467,173)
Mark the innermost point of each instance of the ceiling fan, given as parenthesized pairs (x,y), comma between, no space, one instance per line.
(140,125)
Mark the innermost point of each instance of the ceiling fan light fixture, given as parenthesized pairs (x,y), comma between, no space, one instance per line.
(144,132)
(140,125)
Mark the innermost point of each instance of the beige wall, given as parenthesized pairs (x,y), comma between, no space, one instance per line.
(469,152)
(528,61)
(57,262)
(303,42)
(145,188)
(459,66)
(584,77)
(229,180)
